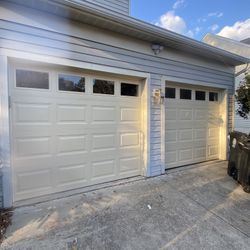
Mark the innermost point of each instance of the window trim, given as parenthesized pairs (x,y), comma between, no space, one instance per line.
(183,88)
(176,92)
(49,89)
(214,92)
(199,90)
(71,92)
(131,83)
(102,79)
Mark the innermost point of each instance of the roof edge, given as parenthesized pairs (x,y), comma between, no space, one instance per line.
(197,47)
(226,39)
(153,29)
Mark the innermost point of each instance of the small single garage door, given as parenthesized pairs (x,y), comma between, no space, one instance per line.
(71,130)
(192,125)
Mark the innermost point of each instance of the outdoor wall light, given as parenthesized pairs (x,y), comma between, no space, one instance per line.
(157,48)
(158,96)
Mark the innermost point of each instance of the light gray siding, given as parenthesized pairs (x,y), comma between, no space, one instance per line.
(83,43)
(231,112)
(121,6)
(14,35)
(242,49)
(241,124)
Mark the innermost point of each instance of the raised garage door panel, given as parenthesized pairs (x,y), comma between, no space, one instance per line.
(192,129)
(63,140)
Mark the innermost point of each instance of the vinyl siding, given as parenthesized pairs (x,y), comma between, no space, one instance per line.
(121,6)
(240,124)
(231,111)
(54,36)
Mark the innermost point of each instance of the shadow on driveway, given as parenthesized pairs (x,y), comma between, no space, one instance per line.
(198,207)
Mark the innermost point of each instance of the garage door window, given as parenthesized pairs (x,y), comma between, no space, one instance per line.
(71,83)
(213,97)
(32,79)
(200,95)
(186,94)
(170,93)
(128,89)
(104,87)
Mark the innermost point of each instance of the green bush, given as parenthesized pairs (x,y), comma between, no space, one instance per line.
(243,98)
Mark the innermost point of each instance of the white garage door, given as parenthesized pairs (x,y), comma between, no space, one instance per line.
(192,125)
(71,130)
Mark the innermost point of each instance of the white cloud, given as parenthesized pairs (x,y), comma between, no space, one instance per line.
(210,15)
(200,20)
(178,4)
(215,14)
(238,31)
(190,33)
(197,29)
(214,27)
(172,22)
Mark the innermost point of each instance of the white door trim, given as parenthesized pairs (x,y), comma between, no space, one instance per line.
(224,130)
(163,170)
(181,80)
(5,134)
(72,63)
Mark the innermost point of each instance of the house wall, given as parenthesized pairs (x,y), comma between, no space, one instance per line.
(30,31)
(239,123)
(121,6)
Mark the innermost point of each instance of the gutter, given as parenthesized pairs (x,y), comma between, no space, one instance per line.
(245,70)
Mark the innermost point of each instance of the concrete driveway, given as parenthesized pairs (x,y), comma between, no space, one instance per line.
(198,207)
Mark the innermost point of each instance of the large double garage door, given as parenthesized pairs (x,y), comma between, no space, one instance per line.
(71,130)
(192,125)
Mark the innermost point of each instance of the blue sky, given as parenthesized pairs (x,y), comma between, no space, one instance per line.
(195,18)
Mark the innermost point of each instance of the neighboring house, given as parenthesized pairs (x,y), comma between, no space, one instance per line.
(241,48)
(82,97)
